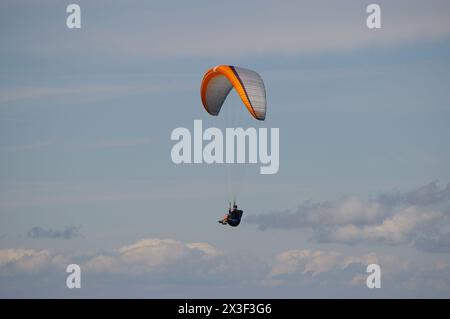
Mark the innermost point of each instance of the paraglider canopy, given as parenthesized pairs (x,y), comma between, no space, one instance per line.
(218,82)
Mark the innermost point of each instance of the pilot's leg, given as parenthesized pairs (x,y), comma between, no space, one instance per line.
(224,220)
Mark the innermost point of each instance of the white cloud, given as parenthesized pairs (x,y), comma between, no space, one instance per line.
(397,218)
(23,260)
(205,248)
(304,261)
(335,269)
(102,264)
(149,255)
(173,262)
(347,210)
(364,259)
(401,228)
(152,254)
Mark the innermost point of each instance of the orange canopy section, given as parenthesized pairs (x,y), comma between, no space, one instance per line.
(218,82)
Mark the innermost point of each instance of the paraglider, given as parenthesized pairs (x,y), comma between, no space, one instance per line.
(233,218)
(218,82)
(216,85)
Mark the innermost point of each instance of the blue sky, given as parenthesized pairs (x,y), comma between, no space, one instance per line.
(85,123)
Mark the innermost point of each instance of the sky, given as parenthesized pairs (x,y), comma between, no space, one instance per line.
(86,175)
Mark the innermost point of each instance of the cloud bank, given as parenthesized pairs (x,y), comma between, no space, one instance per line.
(420,216)
(162,262)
